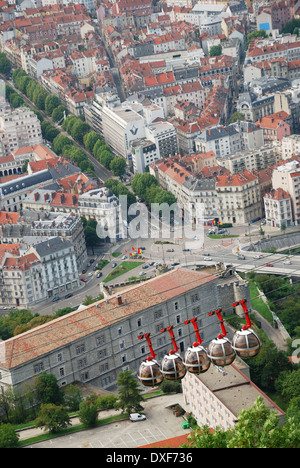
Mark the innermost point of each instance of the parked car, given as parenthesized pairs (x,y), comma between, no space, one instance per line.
(90,274)
(258,256)
(241,257)
(142,273)
(56,299)
(145,267)
(114,265)
(83,280)
(175,263)
(124,257)
(287,262)
(207,259)
(68,295)
(134,417)
(84,271)
(170,250)
(206,255)
(269,265)
(99,274)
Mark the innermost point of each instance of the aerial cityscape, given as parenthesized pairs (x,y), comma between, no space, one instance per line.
(149,226)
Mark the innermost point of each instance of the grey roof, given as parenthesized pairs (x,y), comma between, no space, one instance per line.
(25,182)
(200,184)
(52,245)
(219,132)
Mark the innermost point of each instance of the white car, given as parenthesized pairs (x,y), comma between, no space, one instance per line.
(258,256)
(287,262)
(90,274)
(124,257)
(134,417)
(207,259)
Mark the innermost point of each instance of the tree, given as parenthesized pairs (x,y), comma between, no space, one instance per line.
(79,129)
(8,436)
(118,166)
(88,413)
(39,97)
(5,66)
(53,418)
(58,113)
(129,394)
(47,389)
(141,182)
(72,397)
(59,142)
(215,51)
(236,117)
(256,427)
(51,103)
(90,140)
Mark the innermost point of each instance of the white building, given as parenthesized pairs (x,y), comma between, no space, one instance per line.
(18,129)
(278,208)
(287,177)
(46,269)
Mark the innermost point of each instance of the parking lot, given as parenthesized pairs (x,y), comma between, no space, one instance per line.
(160,424)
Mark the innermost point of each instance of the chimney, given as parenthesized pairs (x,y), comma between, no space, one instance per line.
(119,300)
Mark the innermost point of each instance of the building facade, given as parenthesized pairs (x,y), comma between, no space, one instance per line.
(95,343)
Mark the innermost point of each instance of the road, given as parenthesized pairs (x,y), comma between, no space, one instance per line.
(220,251)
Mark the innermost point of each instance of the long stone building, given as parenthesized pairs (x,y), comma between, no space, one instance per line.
(95,343)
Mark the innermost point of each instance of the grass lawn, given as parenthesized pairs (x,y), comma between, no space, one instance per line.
(116,254)
(124,267)
(258,304)
(222,236)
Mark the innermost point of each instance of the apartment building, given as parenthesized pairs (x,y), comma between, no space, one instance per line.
(290,146)
(66,226)
(278,208)
(287,177)
(31,274)
(252,160)
(216,398)
(19,128)
(96,342)
(225,140)
(239,198)
(275,127)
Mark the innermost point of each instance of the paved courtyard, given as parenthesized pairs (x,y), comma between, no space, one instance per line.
(160,424)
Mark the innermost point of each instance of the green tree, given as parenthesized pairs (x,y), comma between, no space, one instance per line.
(58,113)
(69,122)
(47,389)
(118,166)
(79,129)
(129,394)
(39,97)
(8,436)
(16,100)
(30,88)
(236,117)
(90,140)
(51,103)
(59,142)
(53,418)
(5,66)
(141,182)
(72,397)
(215,51)
(88,413)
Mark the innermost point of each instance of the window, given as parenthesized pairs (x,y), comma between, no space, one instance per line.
(194,298)
(120,331)
(80,349)
(139,322)
(61,371)
(59,357)
(38,367)
(157,314)
(176,306)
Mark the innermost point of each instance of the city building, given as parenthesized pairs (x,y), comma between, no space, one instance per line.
(217,397)
(19,128)
(287,177)
(239,198)
(96,342)
(278,208)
